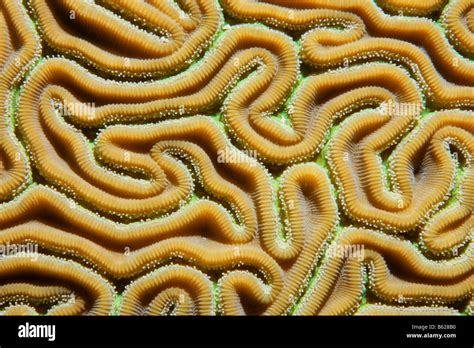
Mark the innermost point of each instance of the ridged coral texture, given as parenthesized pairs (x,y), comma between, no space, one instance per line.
(236,157)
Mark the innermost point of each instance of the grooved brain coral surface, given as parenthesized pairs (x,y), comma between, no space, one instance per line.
(278,157)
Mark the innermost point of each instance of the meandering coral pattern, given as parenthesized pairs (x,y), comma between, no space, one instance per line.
(236,157)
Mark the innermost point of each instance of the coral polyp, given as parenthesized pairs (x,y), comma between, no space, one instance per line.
(204,157)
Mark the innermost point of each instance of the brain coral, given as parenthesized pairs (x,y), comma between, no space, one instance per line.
(236,157)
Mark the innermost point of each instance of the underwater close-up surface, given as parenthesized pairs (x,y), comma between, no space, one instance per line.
(236,157)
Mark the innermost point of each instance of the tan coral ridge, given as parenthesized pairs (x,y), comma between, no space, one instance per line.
(93,295)
(340,283)
(250,251)
(19,49)
(148,39)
